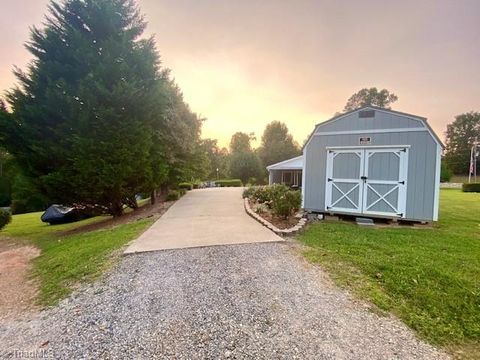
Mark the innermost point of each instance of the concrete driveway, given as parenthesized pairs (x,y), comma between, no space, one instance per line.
(203,217)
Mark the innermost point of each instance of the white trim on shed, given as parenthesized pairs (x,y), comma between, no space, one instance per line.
(436,202)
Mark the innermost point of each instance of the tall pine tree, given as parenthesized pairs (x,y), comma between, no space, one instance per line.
(87,116)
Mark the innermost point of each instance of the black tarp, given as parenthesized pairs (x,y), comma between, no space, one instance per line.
(59,214)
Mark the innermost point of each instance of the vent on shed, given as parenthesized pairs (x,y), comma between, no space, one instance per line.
(366,114)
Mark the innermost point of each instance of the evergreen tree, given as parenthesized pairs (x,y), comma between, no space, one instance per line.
(86,116)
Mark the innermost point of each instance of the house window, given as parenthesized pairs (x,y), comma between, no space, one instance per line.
(287,178)
(290,178)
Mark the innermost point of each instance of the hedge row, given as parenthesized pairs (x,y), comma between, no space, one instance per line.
(185,185)
(471,187)
(229,183)
(175,194)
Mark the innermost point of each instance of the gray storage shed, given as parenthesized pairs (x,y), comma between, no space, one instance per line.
(373,162)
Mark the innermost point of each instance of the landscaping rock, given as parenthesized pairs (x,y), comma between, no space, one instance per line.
(301,222)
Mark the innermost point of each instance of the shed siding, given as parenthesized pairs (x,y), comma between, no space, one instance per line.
(421,161)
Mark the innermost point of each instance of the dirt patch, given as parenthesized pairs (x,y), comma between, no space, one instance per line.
(17,290)
(147,211)
(279,222)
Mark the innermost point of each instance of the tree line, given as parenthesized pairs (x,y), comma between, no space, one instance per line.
(244,162)
(96,119)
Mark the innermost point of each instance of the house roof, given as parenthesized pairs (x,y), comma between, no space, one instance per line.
(337,117)
(295,163)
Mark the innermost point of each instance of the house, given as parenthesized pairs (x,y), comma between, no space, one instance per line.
(372,162)
(288,172)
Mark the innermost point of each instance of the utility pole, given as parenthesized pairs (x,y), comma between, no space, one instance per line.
(475,155)
(473,161)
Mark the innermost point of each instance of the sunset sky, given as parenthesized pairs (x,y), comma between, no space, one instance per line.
(242,64)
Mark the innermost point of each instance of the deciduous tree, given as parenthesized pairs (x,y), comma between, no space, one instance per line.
(240,142)
(244,163)
(277,144)
(217,159)
(460,136)
(370,96)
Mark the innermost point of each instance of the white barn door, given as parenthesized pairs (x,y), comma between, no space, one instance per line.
(367,181)
(386,182)
(344,183)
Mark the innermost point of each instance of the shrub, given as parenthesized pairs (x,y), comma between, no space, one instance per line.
(445,173)
(182,192)
(260,208)
(263,194)
(173,195)
(284,201)
(197,185)
(248,192)
(185,185)
(229,183)
(5,217)
(471,187)
(279,198)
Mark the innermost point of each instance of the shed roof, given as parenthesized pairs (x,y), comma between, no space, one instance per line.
(295,163)
(337,117)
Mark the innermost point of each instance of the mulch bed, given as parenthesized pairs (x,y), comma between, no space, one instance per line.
(279,222)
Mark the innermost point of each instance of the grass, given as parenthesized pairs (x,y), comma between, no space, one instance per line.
(66,261)
(430,278)
(29,226)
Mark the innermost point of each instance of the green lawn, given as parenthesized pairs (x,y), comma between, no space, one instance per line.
(430,278)
(66,261)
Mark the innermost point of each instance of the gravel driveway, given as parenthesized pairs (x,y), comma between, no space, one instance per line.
(258,301)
